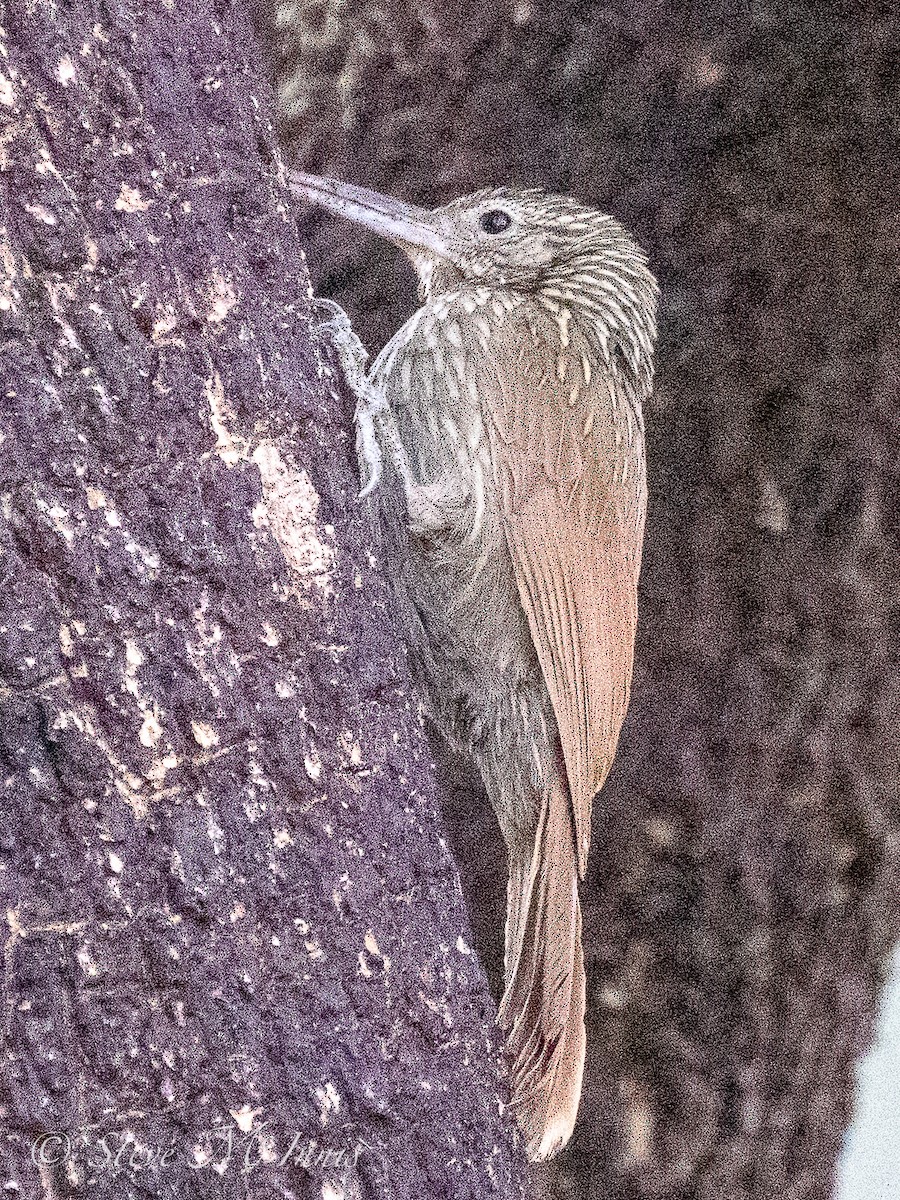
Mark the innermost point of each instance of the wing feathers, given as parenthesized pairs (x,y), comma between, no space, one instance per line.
(571,482)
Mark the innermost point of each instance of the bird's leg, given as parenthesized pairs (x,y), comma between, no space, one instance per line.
(370,401)
(376,428)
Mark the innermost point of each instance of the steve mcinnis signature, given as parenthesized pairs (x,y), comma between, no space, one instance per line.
(226,1149)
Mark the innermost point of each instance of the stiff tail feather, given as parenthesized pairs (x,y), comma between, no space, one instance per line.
(542,1010)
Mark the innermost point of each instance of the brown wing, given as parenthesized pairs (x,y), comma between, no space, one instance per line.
(568,456)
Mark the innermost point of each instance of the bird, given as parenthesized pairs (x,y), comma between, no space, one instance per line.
(501,439)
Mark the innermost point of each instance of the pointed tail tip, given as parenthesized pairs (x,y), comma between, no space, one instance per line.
(547,1115)
(548,1142)
(554,1139)
(545,1102)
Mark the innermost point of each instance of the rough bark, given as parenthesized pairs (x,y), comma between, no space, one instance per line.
(234,934)
(743,886)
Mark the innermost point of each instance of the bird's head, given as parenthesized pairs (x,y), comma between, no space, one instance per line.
(564,253)
(514,238)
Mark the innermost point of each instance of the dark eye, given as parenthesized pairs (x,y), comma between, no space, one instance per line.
(495,221)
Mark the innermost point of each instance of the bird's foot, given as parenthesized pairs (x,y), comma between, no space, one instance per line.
(377,434)
(351,353)
(370,401)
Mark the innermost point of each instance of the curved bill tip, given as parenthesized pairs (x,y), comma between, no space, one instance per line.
(406,224)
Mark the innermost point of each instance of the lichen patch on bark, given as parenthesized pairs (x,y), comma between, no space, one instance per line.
(290,503)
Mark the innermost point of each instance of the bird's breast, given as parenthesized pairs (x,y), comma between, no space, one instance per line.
(433,381)
(498,395)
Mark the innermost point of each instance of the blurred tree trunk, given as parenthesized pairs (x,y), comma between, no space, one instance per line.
(234,934)
(743,889)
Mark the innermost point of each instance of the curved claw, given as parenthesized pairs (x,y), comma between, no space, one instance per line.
(330,306)
(325,302)
(374,480)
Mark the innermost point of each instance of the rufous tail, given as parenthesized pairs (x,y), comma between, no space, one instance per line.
(542,1010)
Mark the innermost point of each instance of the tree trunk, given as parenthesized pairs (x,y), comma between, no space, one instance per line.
(742,893)
(237,957)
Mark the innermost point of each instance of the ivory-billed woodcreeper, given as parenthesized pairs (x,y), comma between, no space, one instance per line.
(509,407)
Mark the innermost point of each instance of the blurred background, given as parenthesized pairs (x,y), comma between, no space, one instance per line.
(742,898)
